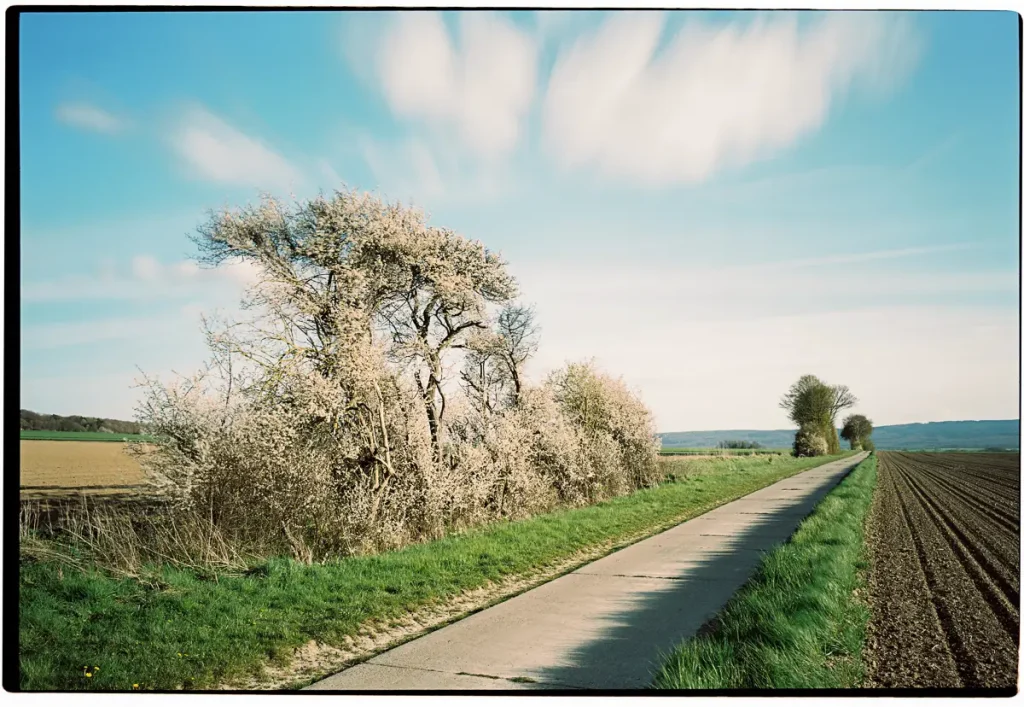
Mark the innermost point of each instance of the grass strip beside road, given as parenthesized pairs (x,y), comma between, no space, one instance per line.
(88,630)
(797,622)
(701,451)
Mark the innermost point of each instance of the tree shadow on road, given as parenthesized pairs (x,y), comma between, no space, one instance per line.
(657,613)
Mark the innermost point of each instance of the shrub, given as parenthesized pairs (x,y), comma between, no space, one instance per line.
(610,416)
(810,442)
(324,424)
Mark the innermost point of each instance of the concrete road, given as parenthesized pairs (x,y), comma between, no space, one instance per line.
(607,624)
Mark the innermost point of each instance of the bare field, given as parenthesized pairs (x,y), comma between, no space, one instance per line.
(945,582)
(49,467)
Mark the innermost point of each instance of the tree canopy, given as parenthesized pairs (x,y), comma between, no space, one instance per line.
(857,431)
(813,405)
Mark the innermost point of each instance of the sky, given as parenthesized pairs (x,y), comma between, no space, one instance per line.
(709,204)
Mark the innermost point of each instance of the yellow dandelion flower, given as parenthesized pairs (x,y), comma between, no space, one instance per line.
(135,686)
(88,675)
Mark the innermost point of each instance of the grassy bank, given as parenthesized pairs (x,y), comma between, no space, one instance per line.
(702,451)
(796,623)
(88,630)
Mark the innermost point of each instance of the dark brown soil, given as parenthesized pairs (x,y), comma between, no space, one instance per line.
(945,580)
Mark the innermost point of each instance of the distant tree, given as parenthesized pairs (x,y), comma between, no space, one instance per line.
(813,405)
(70,425)
(856,430)
(738,444)
(29,420)
(868,445)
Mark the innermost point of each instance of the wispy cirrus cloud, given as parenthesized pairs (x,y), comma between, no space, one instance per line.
(65,334)
(90,117)
(875,255)
(478,90)
(712,97)
(215,150)
(146,278)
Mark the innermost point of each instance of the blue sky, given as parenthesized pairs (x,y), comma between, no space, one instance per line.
(709,204)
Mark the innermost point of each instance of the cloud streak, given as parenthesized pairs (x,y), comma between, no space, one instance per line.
(218,152)
(479,91)
(89,117)
(848,258)
(147,279)
(713,97)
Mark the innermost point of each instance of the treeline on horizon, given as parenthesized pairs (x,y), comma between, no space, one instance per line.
(954,434)
(29,420)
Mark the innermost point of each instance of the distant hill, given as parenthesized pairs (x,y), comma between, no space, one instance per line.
(29,420)
(964,434)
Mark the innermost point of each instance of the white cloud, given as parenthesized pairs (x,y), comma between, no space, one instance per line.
(713,96)
(651,295)
(147,279)
(219,152)
(844,258)
(145,267)
(78,333)
(89,117)
(480,90)
(86,365)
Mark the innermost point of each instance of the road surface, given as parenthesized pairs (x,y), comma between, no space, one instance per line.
(607,624)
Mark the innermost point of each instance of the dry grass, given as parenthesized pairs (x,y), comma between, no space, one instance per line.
(48,466)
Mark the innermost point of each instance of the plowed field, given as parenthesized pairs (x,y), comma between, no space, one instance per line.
(945,580)
(59,467)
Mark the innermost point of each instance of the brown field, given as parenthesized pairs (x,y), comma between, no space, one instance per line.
(49,467)
(945,582)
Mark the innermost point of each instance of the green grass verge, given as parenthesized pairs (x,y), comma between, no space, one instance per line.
(51,435)
(695,451)
(181,630)
(795,624)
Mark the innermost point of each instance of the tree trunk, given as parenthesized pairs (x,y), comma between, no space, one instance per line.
(517,385)
(433,413)
(434,425)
